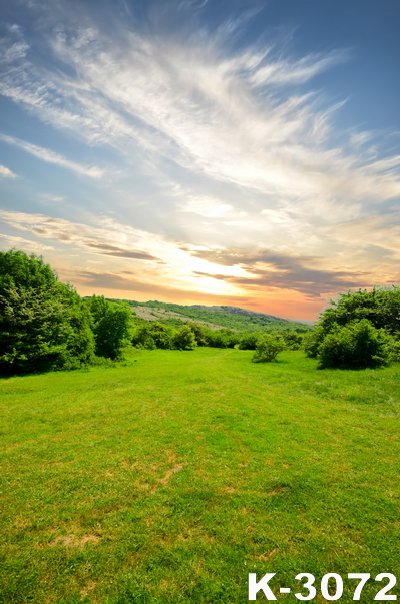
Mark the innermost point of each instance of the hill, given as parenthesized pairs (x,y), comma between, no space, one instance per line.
(214,317)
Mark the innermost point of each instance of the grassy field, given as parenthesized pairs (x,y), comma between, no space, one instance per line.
(171,477)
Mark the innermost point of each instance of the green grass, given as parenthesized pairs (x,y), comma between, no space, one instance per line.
(170,478)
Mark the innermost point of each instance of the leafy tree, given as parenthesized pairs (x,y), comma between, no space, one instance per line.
(357,345)
(293,340)
(200,334)
(248,341)
(379,306)
(153,335)
(268,348)
(44,324)
(314,338)
(111,326)
(184,339)
(222,338)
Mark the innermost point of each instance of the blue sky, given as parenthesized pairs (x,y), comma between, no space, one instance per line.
(195,151)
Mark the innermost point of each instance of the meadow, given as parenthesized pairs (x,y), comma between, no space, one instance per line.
(169,477)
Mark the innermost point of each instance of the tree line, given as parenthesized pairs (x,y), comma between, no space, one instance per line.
(45,325)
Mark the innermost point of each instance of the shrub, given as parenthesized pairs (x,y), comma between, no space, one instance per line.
(153,335)
(357,345)
(184,339)
(268,348)
(248,341)
(293,340)
(200,333)
(222,338)
(393,349)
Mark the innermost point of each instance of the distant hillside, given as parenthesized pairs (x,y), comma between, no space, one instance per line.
(214,317)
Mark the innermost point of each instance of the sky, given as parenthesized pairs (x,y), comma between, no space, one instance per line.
(241,153)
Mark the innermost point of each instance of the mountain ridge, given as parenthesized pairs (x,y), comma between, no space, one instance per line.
(215,317)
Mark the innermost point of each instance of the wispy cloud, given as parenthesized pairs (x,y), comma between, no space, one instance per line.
(268,269)
(52,157)
(230,172)
(6,172)
(296,72)
(209,109)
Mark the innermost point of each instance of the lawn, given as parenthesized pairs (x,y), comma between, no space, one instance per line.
(172,476)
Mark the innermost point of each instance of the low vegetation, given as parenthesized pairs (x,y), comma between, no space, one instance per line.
(171,476)
(267,349)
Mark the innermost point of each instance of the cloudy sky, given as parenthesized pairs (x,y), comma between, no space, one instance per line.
(204,151)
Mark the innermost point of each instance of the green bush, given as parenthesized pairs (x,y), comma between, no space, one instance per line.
(293,340)
(200,333)
(393,350)
(184,339)
(357,345)
(248,341)
(268,348)
(153,335)
(222,338)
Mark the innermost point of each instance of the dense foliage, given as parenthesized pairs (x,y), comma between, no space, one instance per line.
(153,334)
(44,324)
(111,326)
(268,348)
(361,329)
(357,345)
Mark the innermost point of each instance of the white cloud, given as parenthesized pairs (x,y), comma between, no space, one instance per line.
(207,207)
(244,144)
(295,72)
(52,157)
(192,101)
(6,172)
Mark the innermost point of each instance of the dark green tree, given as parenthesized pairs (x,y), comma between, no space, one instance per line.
(357,345)
(111,323)
(184,339)
(248,341)
(153,335)
(379,307)
(44,324)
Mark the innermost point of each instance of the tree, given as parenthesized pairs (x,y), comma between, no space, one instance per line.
(43,323)
(111,326)
(153,335)
(268,348)
(357,345)
(200,333)
(249,341)
(380,308)
(184,339)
